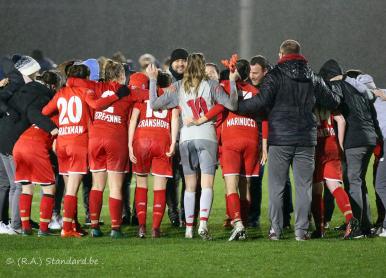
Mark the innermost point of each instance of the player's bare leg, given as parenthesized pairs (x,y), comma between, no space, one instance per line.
(141,203)
(343,202)
(159,204)
(25,203)
(115,202)
(95,201)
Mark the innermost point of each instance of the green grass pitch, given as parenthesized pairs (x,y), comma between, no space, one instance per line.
(174,256)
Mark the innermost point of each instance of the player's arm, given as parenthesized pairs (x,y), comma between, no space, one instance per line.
(221,97)
(35,116)
(99,103)
(211,114)
(132,126)
(168,100)
(51,107)
(259,102)
(174,131)
(341,125)
(264,148)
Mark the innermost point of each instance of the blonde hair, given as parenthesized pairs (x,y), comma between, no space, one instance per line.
(194,73)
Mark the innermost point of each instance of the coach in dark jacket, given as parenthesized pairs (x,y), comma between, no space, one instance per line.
(359,142)
(28,102)
(288,95)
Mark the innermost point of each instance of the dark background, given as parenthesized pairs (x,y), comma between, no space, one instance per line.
(351,31)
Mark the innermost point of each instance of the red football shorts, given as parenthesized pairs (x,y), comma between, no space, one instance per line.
(151,154)
(72,156)
(108,154)
(328,165)
(240,157)
(32,162)
(327,169)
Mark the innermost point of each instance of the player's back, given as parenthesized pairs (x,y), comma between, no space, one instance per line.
(115,117)
(194,105)
(152,123)
(74,115)
(236,125)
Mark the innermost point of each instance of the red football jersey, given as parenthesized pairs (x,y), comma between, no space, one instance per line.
(72,103)
(154,124)
(115,117)
(327,142)
(236,125)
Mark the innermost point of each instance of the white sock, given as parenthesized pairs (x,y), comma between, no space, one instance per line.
(189,203)
(206,203)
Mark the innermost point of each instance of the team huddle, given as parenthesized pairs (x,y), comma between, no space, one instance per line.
(151,122)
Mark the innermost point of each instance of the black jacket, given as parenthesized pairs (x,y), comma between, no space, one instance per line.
(356,109)
(288,95)
(16,81)
(28,101)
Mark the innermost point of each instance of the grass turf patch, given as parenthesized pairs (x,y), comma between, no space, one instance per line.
(174,256)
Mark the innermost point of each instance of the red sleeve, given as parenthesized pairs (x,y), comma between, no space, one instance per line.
(264,127)
(51,107)
(99,103)
(214,111)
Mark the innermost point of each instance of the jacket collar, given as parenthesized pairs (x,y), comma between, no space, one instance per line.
(292,57)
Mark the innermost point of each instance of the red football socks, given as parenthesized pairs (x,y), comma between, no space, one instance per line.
(343,203)
(46,206)
(227,212)
(95,207)
(115,206)
(69,209)
(158,207)
(141,204)
(233,202)
(25,203)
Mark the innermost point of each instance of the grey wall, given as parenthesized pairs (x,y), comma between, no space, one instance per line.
(352,31)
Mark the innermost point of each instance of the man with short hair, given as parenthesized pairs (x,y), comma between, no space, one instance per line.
(288,95)
(212,71)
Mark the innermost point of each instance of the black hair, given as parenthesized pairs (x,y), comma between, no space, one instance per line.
(79,71)
(261,61)
(164,79)
(243,68)
(353,73)
(224,75)
(50,78)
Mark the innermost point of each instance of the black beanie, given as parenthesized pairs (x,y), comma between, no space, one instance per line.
(177,54)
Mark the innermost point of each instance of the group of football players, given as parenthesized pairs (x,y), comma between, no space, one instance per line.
(138,122)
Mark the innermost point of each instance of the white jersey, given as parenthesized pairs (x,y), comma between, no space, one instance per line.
(194,105)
